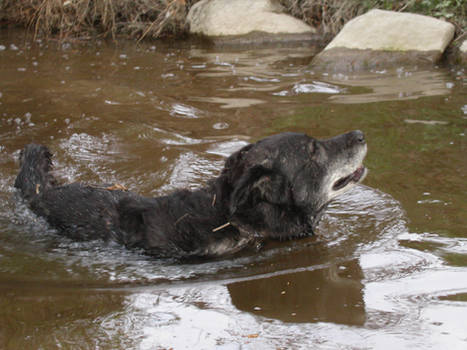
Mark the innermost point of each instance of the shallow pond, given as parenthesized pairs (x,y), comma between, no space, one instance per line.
(388,269)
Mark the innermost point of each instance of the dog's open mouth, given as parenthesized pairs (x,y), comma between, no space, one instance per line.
(355,177)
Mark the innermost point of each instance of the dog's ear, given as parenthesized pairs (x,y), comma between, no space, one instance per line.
(259,184)
(262,203)
(235,164)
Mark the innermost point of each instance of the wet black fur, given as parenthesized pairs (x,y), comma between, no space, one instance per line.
(269,189)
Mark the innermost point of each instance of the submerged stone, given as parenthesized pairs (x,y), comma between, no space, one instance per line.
(385,38)
(239,17)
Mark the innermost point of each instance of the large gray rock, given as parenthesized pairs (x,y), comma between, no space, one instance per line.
(381,38)
(240,17)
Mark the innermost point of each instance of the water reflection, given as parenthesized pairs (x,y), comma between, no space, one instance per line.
(385,268)
(332,294)
(184,111)
(254,65)
(50,317)
(308,88)
(189,170)
(230,102)
(392,85)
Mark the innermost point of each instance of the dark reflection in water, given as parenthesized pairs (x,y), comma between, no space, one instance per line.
(326,294)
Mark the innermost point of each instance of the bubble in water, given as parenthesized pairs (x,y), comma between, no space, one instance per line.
(220,126)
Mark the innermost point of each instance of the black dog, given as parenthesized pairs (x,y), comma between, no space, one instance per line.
(275,188)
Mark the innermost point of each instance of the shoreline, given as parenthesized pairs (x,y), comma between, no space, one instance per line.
(149,19)
(166,21)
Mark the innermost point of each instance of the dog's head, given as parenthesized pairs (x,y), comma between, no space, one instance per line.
(281,184)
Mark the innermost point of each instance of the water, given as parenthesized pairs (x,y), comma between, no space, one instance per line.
(387,270)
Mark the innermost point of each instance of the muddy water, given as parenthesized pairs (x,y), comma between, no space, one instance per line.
(387,270)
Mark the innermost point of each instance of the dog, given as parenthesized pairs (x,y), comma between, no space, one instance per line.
(276,188)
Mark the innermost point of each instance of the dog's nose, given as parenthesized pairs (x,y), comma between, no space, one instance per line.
(359,136)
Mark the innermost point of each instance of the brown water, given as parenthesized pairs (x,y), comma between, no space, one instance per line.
(387,271)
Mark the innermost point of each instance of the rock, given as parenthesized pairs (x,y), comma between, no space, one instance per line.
(463,47)
(463,53)
(239,17)
(379,39)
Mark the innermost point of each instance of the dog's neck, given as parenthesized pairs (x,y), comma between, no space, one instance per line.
(260,218)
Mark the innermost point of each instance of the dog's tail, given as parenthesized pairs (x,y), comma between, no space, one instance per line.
(34,175)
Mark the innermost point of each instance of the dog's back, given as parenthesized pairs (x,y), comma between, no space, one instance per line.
(80,211)
(181,224)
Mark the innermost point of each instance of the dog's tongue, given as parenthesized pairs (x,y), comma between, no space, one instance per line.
(358,173)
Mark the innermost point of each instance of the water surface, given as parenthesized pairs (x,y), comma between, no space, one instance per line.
(387,270)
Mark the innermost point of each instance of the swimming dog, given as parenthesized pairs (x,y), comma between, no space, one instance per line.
(276,188)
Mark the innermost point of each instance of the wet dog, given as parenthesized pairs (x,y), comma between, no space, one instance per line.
(276,188)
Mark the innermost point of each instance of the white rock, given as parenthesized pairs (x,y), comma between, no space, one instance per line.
(240,17)
(462,56)
(394,31)
(463,47)
(380,39)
